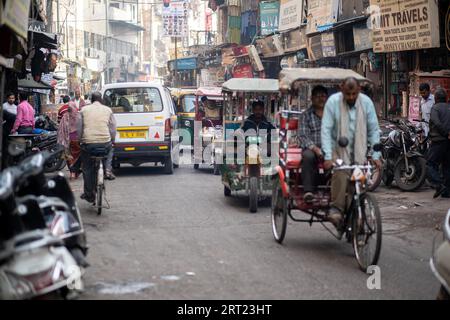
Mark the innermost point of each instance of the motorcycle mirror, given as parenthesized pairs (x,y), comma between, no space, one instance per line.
(343,142)
(378,147)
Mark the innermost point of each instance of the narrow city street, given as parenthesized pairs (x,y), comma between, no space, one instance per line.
(178,237)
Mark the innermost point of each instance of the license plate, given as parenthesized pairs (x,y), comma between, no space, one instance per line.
(133,134)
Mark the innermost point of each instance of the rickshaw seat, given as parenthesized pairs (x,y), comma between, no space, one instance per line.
(294,157)
(293,123)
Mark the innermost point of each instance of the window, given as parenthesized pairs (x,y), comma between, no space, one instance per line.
(134,100)
(188,103)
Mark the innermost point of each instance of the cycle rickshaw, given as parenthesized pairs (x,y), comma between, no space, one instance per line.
(208,112)
(362,220)
(249,171)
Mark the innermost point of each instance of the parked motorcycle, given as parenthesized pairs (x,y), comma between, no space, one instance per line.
(440,261)
(403,162)
(33,262)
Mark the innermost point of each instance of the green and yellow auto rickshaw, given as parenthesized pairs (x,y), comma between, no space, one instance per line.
(184,99)
(248,163)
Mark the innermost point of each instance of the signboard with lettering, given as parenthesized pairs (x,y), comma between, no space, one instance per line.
(322,14)
(270,46)
(290,14)
(243,71)
(175,19)
(15,16)
(315,47)
(414,108)
(269,12)
(294,40)
(404,25)
(362,37)
(328,45)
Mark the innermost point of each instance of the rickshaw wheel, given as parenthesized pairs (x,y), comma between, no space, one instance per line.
(216,170)
(253,196)
(367,232)
(279,212)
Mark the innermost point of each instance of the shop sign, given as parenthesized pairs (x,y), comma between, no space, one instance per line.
(414,108)
(270,46)
(243,71)
(254,58)
(15,16)
(295,40)
(315,47)
(322,14)
(362,37)
(291,14)
(269,12)
(404,25)
(328,45)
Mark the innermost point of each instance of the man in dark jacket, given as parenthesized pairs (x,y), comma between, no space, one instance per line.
(257,120)
(439,153)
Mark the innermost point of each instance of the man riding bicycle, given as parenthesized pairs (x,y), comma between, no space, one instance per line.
(349,114)
(97,132)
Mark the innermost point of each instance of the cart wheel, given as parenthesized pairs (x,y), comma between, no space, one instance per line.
(226,191)
(367,232)
(253,197)
(279,213)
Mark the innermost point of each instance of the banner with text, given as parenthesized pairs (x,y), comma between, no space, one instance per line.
(404,25)
(269,12)
(290,14)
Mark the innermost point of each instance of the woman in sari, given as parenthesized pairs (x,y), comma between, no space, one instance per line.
(68,138)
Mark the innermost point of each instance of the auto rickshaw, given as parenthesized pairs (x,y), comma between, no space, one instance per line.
(362,219)
(185,99)
(208,135)
(250,171)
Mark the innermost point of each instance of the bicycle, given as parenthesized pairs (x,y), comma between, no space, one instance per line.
(98,156)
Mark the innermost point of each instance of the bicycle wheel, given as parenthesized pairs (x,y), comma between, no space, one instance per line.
(279,212)
(253,196)
(367,232)
(99,199)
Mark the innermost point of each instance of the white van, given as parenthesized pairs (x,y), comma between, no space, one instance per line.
(144,112)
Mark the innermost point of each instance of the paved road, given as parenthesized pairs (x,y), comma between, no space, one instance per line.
(178,237)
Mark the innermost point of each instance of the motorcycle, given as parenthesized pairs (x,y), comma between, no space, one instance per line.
(440,261)
(33,262)
(402,161)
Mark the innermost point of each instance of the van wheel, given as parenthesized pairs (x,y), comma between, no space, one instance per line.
(168,166)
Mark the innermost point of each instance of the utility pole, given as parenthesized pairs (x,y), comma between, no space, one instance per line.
(107,76)
(176,63)
(50,15)
(58,31)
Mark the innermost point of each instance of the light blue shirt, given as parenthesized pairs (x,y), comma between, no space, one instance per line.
(331,117)
(425,110)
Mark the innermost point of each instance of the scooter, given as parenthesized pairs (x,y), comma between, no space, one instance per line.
(440,262)
(57,203)
(33,262)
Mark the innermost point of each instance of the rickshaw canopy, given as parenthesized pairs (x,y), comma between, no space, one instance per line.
(251,85)
(179,92)
(289,76)
(209,91)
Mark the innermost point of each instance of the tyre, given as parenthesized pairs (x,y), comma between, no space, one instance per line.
(375,179)
(54,164)
(216,169)
(367,232)
(168,166)
(443,294)
(226,191)
(253,196)
(99,199)
(414,178)
(279,212)
(196,166)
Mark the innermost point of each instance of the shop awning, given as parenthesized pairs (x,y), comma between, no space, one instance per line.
(29,83)
(45,39)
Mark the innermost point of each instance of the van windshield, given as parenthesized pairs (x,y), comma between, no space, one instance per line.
(133,100)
